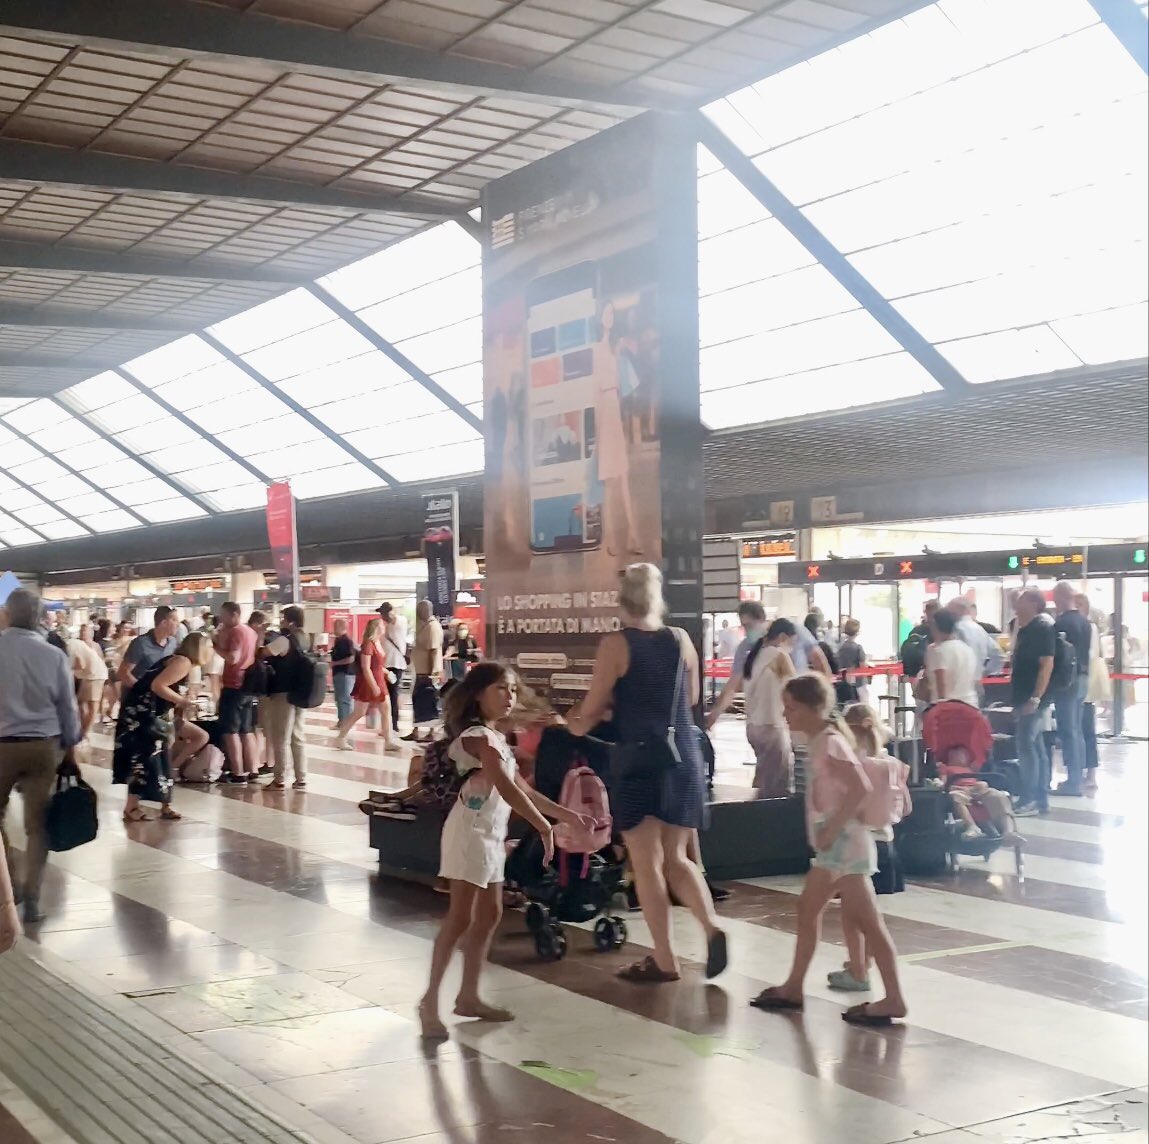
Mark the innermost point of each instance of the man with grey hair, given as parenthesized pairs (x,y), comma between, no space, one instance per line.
(1034,647)
(990,661)
(39,727)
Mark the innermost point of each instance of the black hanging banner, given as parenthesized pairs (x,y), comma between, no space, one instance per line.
(441,547)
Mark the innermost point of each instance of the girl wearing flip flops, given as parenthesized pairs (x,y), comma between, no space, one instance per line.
(845,855)
(473,847)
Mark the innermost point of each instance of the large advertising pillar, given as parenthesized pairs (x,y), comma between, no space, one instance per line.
(283,539)
(593,441)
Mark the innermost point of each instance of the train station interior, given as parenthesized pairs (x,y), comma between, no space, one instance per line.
(353,352)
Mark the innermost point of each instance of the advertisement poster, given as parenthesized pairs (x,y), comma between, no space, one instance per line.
(281,537)
(590,369)
(441,547)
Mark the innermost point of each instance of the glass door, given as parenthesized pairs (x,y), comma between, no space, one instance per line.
(1134,637)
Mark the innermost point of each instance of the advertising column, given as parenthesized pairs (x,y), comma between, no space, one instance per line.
(593,441)
(281,536)
(441,548)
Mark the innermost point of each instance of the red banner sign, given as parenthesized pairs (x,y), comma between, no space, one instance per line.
(282,538)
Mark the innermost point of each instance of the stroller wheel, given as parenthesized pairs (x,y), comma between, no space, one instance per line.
(536,917)
(551,943)
(609,934)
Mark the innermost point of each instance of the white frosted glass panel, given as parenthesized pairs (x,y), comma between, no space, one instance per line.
(330,482)
(118,474)
(175,509)
(837,387)
(17,536)
(18,499)
(86,505)
(425,257)
(86,457)
(238,497)
(447,348)
(145,492)
(289,429)
(725,204)
(245,409)
(193,455)
(430,463)
(1009,353)
(62,530)
(364,374)
(61,487)
(212,477)
(111,521)
(20,453)
(36,415)
(219,382)
(38,514)
(333,342)
(762,250)
(292,312)
(451,299)
(288,462)
(126,414)
(65,433)
(1112,335)
(176,359)
(149,437)
(36,473)
(96,392)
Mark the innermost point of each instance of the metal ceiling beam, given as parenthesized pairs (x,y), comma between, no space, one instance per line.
(1126,21)
(38,163)
(84,363)
(159,474)
(89,320)
(72,472)
(190,29)
(187,422)
(75,260)
(856,284)
(299,410)
(396,355)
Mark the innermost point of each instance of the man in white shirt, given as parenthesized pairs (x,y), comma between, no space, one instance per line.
(984,647)
(951,666)
(395,645)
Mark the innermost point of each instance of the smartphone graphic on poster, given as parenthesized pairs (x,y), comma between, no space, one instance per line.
(562,332)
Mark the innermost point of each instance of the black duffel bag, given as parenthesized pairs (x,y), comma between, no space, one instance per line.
(71,818)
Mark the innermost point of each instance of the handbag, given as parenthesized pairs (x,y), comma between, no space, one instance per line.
(71,818)
(650,758)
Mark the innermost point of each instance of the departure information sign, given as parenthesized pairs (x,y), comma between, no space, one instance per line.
(1102,559)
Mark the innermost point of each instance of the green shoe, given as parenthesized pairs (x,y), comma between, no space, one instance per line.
(845,982)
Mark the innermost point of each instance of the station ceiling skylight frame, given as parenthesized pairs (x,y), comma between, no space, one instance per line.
(296,200)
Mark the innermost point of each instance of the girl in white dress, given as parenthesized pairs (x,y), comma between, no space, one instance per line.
(473,847)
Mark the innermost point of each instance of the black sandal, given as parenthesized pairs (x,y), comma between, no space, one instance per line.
(861,1016)
(647,971)
(772,1001)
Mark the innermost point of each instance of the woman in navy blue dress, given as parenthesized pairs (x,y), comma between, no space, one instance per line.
(647,674)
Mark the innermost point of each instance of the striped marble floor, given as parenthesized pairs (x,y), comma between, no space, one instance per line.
(253,940)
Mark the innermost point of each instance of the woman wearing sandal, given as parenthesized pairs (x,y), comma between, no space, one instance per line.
(648,675)
(140,758)
(845,854)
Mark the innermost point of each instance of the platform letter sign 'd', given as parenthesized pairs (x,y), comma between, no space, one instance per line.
(879,569)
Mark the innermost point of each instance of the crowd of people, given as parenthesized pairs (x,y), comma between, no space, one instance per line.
(799,690)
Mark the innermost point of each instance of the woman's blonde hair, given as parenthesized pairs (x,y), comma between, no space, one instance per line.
(529,704)
(640,593)
(870,734)
(371,632)
(815,691)
(197,647)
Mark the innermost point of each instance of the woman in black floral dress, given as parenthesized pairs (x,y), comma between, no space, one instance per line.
(142,729)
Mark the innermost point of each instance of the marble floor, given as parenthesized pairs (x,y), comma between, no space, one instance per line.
(253,947)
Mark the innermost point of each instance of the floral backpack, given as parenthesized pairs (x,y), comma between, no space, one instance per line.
(441,778)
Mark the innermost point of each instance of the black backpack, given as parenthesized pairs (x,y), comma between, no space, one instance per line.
(913,654)
(257,679)
(72,818)
(1064,664)
(309,676)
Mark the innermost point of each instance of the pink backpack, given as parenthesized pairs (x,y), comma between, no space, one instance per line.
(889,799)
(205,766)
(583,791)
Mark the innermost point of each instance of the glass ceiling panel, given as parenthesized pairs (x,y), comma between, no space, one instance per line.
(333,481)
(283,431)
(86,457)
(86,504)
(35,472)
(178,508)
(430,463)
(218,382)
(62,487)
(327,344)
(460,344)
(285,463)
(14,537)
(238,497)
(34,416)
(97,392)
(431,307)
(127,414)
(432,254)
(371,372)
(296,311)
(175,360)
(113,521)
(996,204)
(62,530)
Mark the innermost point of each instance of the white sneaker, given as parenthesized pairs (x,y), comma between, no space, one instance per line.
(342,745)
(392,745)
(972,834)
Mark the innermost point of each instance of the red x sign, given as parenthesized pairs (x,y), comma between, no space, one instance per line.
(907,568)
(813,571)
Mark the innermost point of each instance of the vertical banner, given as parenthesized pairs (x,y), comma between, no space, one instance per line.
(593,441)
(282,538)
(441,548)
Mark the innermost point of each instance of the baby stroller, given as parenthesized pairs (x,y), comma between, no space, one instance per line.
(576,887)
(960,741)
